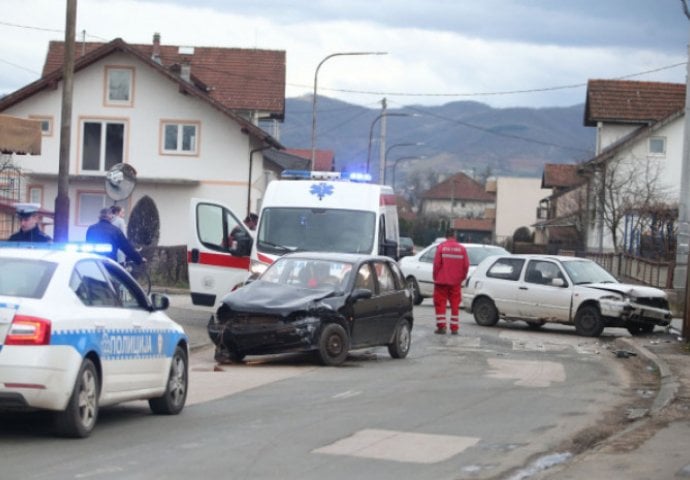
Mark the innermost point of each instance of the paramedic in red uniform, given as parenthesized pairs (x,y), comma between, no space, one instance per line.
(450,270)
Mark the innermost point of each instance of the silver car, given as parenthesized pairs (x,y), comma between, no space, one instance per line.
(568,290)
(418,269)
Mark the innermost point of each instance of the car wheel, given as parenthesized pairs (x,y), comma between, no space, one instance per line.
(485,313)
(401,340)
(640,328)
(588,322)
(79,418)
(535,325)
(334,344)
(414,288)
(173,399)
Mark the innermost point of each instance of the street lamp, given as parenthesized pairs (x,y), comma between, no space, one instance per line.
(385,157)
(313,110)
(398,160)
(371,130)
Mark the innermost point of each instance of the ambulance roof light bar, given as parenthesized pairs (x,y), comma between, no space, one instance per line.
(316,175)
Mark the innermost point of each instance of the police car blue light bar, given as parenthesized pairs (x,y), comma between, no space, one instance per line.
(68,247)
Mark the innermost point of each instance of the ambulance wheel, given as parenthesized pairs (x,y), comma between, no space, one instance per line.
(333,345)
(79,418)
(173,399)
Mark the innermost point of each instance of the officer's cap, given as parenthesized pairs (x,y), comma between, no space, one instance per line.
(25,210)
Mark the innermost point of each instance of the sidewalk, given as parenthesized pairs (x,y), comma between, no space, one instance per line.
(656,446)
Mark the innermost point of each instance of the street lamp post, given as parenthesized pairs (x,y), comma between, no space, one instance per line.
(371,130)
(313,110)
(398,160)
(385,157)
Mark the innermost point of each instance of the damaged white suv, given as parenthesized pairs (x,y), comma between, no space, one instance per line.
(568,290)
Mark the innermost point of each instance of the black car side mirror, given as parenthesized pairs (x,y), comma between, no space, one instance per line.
(360,293)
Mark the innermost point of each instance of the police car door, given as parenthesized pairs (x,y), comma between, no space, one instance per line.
(215,262)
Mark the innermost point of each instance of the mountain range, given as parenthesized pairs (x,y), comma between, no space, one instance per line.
(466,136)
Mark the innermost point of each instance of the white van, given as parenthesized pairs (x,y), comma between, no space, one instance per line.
(304,211)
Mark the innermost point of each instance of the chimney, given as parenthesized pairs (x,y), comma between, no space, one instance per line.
(156,54)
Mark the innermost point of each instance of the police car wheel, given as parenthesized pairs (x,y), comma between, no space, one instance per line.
(173,400)
(79,418)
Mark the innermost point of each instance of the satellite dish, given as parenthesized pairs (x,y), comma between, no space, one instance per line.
(120,181)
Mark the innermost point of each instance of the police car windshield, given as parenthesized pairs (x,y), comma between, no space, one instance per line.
(25,278)
(315,229)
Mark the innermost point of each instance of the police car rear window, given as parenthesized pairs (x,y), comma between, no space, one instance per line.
(25,278)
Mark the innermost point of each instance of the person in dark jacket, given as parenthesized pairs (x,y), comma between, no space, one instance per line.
(451,264)
(28,225)
(105,232)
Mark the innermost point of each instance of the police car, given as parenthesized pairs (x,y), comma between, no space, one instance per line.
(77,333)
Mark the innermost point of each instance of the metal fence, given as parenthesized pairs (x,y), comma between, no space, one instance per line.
(634,269)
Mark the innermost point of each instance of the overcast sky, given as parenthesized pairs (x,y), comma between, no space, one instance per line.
(438,51)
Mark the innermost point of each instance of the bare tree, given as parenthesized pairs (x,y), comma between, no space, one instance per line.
(628,184)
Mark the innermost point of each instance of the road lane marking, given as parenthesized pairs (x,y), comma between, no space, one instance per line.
(528,373)
(399,446)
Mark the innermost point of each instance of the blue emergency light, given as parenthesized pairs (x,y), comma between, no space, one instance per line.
(67,247)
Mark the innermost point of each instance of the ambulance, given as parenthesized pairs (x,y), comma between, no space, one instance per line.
(303,211)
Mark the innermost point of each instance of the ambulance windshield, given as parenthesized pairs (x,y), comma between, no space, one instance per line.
(292,229)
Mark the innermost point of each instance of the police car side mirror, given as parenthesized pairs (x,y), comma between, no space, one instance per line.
(159,301)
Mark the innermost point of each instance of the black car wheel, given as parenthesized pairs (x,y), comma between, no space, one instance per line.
(485,313)
(414,288)
(79,418)
(401,340)
(224,354)
(588,322)
(334,343)
(173,399)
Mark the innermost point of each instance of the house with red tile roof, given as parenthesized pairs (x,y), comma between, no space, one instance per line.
(324,160)
(636,166)
(185,118)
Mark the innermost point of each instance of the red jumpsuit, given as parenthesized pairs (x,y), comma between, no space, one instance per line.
(451,264)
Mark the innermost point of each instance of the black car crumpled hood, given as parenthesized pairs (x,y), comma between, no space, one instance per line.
(275,299)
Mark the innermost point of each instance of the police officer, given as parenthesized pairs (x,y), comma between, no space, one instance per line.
(28,225)
(451,264)
(105,232)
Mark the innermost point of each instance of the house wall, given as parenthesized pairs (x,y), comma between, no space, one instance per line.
(609,133)
(517,200)
(220,170)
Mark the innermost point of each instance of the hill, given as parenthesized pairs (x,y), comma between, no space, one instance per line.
(458,136)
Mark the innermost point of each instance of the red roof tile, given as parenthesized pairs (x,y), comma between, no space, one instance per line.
(459,187)
(560,176)
(625,101)
(324,160)
(240,79)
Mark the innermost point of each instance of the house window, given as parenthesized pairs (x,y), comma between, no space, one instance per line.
(657,146)
(180,138)
(103,145)
(89,205)
(46,124)
(35,194)
(119,82)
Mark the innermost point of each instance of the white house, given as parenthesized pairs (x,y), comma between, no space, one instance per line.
(184,117)
(515,205)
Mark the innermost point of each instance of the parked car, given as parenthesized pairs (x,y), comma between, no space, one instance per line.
(78,333)
(406,247)
(568,290)
(418,269)
(328,303)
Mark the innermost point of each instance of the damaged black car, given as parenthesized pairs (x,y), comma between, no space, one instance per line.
(324,303)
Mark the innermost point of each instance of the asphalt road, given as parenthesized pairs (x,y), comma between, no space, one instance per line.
(482,404)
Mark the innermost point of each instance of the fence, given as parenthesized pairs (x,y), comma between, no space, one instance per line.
(636,269)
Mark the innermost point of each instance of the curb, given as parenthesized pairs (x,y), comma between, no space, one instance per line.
(668,388)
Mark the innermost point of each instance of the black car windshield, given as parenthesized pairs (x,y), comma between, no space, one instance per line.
(308,273)
(24,277)
(315,229)
(586,271)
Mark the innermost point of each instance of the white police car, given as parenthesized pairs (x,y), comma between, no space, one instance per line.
(77,333)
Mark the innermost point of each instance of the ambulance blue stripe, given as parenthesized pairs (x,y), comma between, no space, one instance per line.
(120,344)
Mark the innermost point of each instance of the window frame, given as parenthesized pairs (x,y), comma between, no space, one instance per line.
(654,153)
(45,120)
(179,149)
(102,147)
(107,100)
(80,219)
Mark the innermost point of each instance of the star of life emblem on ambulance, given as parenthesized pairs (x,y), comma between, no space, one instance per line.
(321,190)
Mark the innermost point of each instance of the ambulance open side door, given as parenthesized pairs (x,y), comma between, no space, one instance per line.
(217,251)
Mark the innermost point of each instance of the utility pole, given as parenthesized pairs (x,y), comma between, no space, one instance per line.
(61,227)
(382,143)
(682,272)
